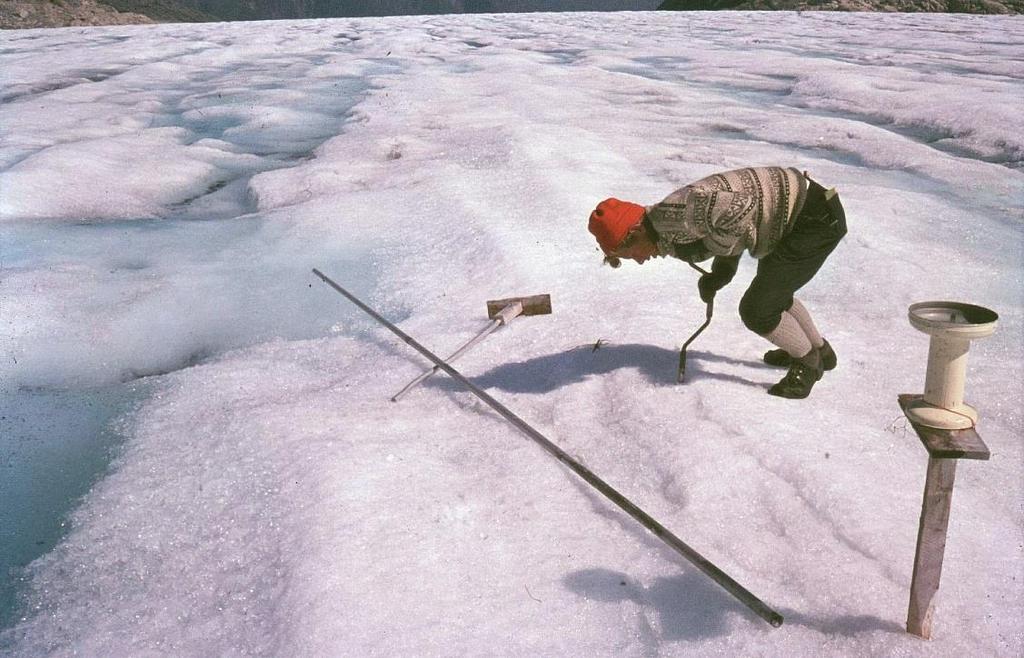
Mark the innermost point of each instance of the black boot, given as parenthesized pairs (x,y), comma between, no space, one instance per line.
(782,358)
(802,375)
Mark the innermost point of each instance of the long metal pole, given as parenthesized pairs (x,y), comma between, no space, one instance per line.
(660,531)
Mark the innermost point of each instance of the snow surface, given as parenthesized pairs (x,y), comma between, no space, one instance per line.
(167,189)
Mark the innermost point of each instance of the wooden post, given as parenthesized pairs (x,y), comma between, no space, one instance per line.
(944,448)
(931,545)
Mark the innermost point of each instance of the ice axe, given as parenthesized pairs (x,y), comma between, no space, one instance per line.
(500,312)
(680,375)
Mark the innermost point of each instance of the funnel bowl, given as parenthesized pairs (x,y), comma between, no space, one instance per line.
(953,319)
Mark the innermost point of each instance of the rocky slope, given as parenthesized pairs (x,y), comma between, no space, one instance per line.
(60,13)
(278,9)
(952,6)
(17,14)
(164,11)
(23,14)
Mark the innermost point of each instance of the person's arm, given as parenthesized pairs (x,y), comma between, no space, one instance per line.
(729,218)
(720,219)
(692,252)
(723,269)
(674,223)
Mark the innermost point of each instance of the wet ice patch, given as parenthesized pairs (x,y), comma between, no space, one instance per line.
(57,444)
(137,299)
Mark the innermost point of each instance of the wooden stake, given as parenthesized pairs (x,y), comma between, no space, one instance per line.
(944,447)
(931,545)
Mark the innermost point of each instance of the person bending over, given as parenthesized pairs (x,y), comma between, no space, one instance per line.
(787,221)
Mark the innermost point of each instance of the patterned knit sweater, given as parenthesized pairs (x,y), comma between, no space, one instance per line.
(751,208)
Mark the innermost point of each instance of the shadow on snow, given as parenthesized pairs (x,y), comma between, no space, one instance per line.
(690,607)
(657,365)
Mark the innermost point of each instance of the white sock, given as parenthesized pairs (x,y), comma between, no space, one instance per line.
(790,336)
(803,316)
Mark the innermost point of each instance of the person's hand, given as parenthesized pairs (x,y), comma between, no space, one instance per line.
(707,286)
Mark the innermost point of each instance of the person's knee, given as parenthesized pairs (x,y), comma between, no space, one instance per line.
(759,317)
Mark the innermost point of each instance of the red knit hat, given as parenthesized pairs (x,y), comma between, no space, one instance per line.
(612,221)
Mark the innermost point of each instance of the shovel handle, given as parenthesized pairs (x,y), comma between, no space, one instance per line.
(502,317)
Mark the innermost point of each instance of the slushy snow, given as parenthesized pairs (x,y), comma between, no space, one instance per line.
(247,487)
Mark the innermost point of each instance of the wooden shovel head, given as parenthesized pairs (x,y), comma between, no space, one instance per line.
(534,305)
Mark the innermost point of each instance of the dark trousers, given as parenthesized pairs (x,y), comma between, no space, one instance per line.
(816,231)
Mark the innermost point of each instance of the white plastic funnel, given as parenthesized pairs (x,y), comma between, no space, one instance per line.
(952,326)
